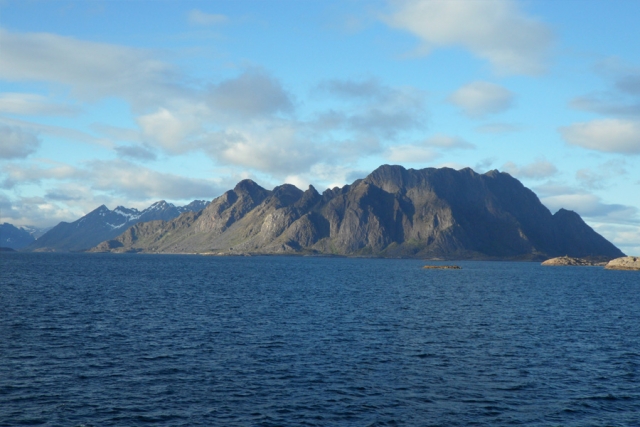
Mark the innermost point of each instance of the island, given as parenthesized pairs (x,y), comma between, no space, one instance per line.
(575,262)
(624,263)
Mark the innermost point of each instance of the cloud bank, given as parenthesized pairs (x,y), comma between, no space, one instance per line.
(479,99)
(606,135)
(198,17)
(494,30)
(16,143)
(539,169)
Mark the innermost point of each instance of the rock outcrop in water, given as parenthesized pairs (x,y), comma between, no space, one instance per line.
(393,212)
(624,263)
(442,267)
(574,262)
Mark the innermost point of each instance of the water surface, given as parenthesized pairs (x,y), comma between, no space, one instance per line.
(132,340)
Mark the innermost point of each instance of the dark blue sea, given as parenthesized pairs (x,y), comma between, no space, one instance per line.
(164,340)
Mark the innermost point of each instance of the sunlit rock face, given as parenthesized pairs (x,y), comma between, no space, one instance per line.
(624,263)
(393,212)
(565,261)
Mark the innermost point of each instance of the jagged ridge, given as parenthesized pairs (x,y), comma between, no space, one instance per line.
(393,212)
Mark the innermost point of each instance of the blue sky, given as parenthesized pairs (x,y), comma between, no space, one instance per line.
(130,102)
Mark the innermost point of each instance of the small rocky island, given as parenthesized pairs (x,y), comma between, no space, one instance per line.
(570,261)
(624,263)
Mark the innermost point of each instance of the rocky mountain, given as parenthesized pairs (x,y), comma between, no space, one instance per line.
(629,263)
(104,224)
(14,237)
(36,232)
(393,212)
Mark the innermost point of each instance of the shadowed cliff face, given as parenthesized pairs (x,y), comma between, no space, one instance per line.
(393,212)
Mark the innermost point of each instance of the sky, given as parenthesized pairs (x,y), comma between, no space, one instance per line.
(131,102)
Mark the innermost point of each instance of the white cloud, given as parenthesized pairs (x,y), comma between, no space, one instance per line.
(336,175)
(197,17)
(242,124)
(32,104)
(620,101)
(452,165)
(484,164)
(136,152)
(626,237)
(168,130)
(410,154)
(57,131)
(371,109)
(114,177)
(425,151)
(299,181)
(277,149)
(368,88)
(539,169)
(17,143)
(495,30)
(479,99)
(448,142)
(591,206)
(608,104)
(498,128)
(18,174)
(34,211)
(629,83)
(622,98)
(559,195)
(323,176)
(352,150)
(253,93)
(608,135)
(120,177)
(92,70)
(604,173)
(117,133)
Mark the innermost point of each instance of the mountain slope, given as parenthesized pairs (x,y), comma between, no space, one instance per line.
(14,237)
(104,224)
(393,212)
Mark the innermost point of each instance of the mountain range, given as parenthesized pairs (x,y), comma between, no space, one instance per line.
(18,237)
(393,212)
(103,224)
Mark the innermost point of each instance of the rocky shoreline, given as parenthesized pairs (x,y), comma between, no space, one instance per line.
(624,263)
(630,263)
(577,262)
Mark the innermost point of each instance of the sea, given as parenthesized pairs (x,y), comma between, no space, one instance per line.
(189,340)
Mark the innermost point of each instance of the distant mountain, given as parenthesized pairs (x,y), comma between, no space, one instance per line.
(14,237)
(36,232)
(393,212)
(104,224)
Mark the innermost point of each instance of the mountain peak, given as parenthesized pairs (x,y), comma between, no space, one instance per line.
(103,224)
(248,187)
(101,210)
(161,204)
(391,178)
